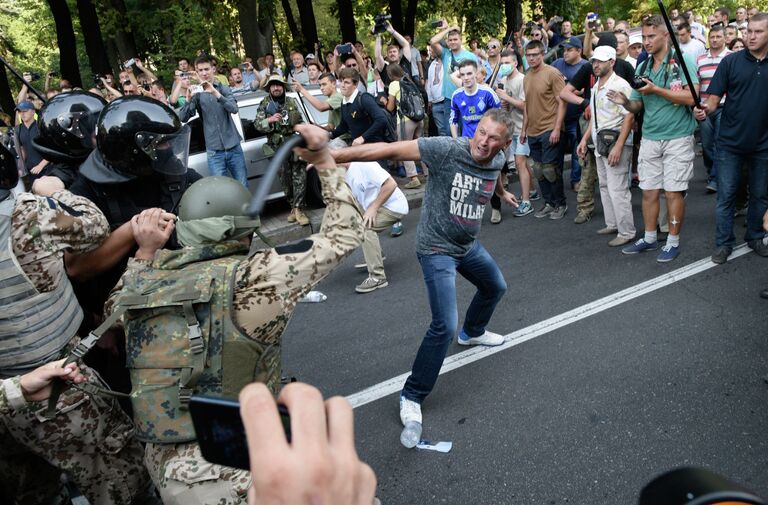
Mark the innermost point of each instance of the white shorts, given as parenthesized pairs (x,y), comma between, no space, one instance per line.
(516,148)
(666,164)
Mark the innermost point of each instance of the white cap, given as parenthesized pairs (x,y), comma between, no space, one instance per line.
(604,53)
(635,38)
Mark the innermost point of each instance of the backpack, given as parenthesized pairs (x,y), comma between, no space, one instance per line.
(411,103)
(390,133)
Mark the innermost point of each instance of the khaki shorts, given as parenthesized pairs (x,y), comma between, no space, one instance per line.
(666,164)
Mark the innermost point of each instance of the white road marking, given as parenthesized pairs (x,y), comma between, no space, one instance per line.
(473,354)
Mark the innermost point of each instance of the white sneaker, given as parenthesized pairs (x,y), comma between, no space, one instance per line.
(495,216)
(486,338)
(409,411)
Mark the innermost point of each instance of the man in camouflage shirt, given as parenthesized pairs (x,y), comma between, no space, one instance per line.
(90,438)
(276,116)
(267,285)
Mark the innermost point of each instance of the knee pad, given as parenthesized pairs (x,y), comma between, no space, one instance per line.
(549,171)
(537,169)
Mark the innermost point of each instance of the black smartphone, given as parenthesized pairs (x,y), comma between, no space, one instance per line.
(436,24)
(220,431)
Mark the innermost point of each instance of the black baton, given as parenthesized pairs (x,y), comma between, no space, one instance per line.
(24,81)
(681,59)
(265,184)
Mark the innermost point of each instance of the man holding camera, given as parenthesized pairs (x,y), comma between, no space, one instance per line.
(276,116)
(666,152)
(394,56)
(450,56)
(215,104)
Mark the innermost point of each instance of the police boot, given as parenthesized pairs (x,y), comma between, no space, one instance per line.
(300,217)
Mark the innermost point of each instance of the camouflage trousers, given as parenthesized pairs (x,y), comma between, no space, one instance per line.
(91,439)
(184,477)
(585,198)
(293,178)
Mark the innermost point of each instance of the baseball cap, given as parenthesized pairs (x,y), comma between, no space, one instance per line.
(571,42)
(25,105)
(635,38)
(310,56)
(604,53)
(607,39)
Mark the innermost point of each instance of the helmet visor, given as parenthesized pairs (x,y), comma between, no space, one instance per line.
(168,153)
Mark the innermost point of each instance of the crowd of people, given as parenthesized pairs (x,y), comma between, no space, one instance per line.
(145,271)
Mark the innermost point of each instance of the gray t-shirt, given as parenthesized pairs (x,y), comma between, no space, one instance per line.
(458,189)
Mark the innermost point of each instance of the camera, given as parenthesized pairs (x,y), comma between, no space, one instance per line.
(345,49)
(380,23)
(97,80)
(436,24)
(637,82)
(33,76)
(184,75)
(592,19)
(243,67)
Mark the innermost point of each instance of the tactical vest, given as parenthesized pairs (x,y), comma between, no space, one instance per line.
(181,338)
(34,327)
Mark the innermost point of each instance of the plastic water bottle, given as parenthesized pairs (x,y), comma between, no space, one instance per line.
(411,434)
(314,297)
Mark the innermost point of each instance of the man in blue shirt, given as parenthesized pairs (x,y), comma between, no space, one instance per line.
(451,56)
(469,103)
(569,65)
(215,104)
(743,137)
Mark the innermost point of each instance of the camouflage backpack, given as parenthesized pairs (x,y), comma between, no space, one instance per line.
(181,338)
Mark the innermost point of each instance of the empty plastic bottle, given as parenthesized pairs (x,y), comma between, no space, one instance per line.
(314,297)
(411,434)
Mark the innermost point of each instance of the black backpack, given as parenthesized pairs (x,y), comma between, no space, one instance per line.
(411,103)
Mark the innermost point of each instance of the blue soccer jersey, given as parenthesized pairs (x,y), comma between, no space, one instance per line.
(467,110)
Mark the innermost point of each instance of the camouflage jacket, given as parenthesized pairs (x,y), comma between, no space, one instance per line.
(43,228)
(276,131)
(269,282)
(11,397)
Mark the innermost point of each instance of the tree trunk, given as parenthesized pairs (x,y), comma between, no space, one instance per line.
(396,10)
(513,11)
(347,20)
(409,23)
(65,37)
(126,45)
(292,26)
(308,25)
(94,44)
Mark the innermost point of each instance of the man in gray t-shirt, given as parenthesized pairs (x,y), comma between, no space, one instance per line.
(463,175)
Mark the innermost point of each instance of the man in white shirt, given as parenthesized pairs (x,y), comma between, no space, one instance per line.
(435,92)
(613,166)
(384,205)
(691,46)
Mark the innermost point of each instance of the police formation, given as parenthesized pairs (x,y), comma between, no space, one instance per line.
(142,272)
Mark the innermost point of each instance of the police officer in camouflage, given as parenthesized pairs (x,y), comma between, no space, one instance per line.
(208,318)
(276,116)
(89,438)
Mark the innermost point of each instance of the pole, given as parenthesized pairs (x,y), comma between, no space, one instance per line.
(24,81)
(680,58)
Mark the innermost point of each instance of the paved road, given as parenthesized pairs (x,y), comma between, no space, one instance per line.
(583,414)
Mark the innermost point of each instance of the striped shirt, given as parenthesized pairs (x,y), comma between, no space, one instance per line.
(707,65)
(467,110)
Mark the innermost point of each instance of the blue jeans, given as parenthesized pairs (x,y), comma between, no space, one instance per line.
(228,162)
(479,268)
(728,175)
(441,112)
(572,134)
(710,130)
(544,153)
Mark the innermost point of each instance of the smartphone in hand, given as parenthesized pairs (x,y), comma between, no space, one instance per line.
(220,431)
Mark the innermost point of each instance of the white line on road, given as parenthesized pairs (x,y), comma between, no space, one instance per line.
(464,358)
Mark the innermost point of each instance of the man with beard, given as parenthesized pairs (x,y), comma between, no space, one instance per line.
(276,116)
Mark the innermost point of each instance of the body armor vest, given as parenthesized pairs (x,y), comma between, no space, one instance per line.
(34,327)
(181,338)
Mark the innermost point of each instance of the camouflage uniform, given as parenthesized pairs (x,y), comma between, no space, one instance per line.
(267,286)
(90,438)
(293,175)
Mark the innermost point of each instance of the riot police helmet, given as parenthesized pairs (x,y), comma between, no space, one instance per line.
(9,173)
(137,136)
(67,125)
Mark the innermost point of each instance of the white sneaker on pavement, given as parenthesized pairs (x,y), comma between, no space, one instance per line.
(409,411)
(486,338)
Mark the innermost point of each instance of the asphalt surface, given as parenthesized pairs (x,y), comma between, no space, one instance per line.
(585,414)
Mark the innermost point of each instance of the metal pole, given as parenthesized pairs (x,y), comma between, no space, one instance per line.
(19,77)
